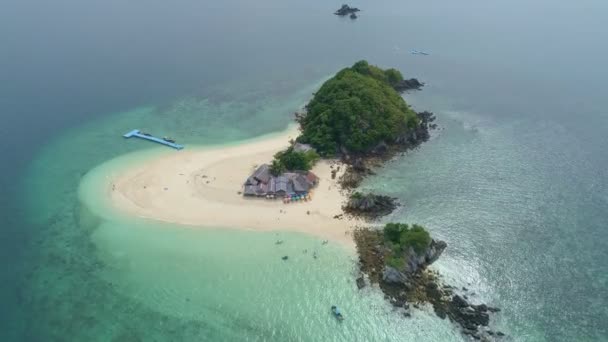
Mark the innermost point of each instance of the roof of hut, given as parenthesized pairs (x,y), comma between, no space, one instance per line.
(272,185)
(300,184)
(262,173)
(250,190)
(312,178)
(281,183)
(251,181)
(261,189)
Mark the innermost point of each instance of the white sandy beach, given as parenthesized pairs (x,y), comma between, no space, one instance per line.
(200,187)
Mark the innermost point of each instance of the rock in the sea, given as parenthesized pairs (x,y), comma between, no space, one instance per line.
(468,316)
(411,84)
(360,282)
(346,10)
(399,302)
(370,205)
(480,307)
(459,302)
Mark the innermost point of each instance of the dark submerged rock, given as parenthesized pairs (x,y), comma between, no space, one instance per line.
(360,282)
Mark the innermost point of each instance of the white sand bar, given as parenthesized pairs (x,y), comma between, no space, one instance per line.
(200,187)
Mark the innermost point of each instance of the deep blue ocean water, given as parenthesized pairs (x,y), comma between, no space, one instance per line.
(514,180)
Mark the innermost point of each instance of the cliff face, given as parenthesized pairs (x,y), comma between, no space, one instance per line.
(415,262)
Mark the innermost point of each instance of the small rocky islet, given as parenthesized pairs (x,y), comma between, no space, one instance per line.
(400,270)
(346,120)
(347,10)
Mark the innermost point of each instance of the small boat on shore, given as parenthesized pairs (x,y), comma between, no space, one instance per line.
(337,313)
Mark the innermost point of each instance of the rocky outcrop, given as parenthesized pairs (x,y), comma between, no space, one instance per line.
(411,84)
(392,275)
(370,206)
(412,282)
(415,262)
(418,135)
(346,10)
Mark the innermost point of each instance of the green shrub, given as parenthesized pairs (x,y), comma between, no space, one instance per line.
(395,261)
(416,237)
(291,160)
(393,232)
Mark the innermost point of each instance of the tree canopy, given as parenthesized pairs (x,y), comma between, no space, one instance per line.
(404,236)
(291,160)
(356,110)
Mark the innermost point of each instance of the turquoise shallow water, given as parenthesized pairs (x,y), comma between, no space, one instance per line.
(515,180)
(186,283)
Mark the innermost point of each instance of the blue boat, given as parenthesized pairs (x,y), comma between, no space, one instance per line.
(337,313)
(164,141)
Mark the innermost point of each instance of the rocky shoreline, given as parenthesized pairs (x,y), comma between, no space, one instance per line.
(411,84)
(359,166)
(395,257)
(413,284)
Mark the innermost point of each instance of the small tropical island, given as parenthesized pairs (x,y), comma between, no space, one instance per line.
(306,180)
(346,10)
(396,259)
(359,118)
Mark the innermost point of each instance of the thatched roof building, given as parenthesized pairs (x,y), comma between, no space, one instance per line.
(262,183)
(262,174)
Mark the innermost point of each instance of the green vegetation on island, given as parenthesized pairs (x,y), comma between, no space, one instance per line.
(292,160)
(401,237)
(357,110)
